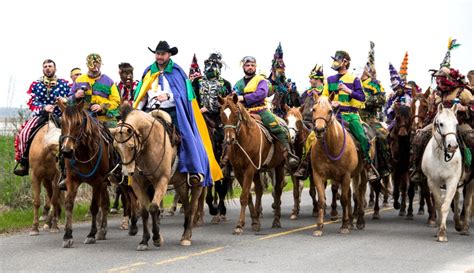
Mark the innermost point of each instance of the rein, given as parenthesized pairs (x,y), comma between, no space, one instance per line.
(447,156)
(326,149)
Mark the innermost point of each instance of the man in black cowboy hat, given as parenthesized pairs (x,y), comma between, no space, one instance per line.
(165,84)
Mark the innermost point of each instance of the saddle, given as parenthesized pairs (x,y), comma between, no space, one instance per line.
(165,120)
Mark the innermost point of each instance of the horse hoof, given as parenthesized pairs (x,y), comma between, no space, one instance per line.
(431,223)
(333,218)
(160,242)
(238,231)
(54,230)
(34,232)
(43,218)
(276,224)
(376,216)
(256,227)
(215,220)
(133,231)
(142,247)
(46,226)
(402,213)
(345,230)
(371,204)
(101,235)
(185,242)
(223,218)
(396,205)
(170,213)
(409,217)
(360,226)
(465,232)
(89,241)
(421,212)
(68,243)
(317,233)
(442,239)
(293,217)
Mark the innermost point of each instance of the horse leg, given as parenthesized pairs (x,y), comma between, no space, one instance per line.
(199,216)
(411,196)
(126,207)
(403,190)
(421,210)
(386,183)
(68,240)
(312,193)
(445,206)
(132,199)
(361,201)
(296,198)
(319,185)
(456,218)
(467,206)
(279,177)
(140,190)
(160,191)
(396,189)
(196,193)
(222,189)
(345,203)
(246,181)
(377,187)
(429,204)
(104,205)
(94,209)
(371,195)
(210,198)
(36,185)
(46,208)
(334,190)
(55,204)
(255,211)
(47,183)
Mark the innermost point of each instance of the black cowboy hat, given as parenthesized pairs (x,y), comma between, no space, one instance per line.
(163,46)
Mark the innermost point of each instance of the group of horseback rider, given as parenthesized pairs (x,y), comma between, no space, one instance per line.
(164,85)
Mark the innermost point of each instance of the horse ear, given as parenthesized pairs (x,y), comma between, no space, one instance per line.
(301,108)
(113,131)
(286,108)
(331,96)
(440,108)
(454,108)
(315,96)
(220,100)
(427,93)
(235,98)
(61,104)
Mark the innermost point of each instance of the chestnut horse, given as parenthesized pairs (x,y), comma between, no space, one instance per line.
(250,151)
(149,156)
(87,157)
(43,151)
(334,156)
(298,135)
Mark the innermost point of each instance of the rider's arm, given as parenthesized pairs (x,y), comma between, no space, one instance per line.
(259,95)
(36,101)
(357,93)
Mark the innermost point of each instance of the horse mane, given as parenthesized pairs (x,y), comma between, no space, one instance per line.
(325,101)
(91,128)
(125,110)
(405,111)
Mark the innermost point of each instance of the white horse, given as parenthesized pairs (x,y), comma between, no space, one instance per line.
(442,164)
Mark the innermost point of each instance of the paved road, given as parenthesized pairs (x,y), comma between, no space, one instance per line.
(389,244)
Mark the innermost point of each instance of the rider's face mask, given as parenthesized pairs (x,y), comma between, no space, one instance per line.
(337,62)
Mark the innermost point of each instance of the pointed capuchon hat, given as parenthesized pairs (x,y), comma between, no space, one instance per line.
(395,79)
(404,68)
(370,66)
(194,70)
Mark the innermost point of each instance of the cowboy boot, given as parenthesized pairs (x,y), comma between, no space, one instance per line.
(372,173)
(21,168)
(303,170)
(292,160)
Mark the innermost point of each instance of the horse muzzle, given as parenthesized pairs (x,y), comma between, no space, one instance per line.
(67,153)
(319,132)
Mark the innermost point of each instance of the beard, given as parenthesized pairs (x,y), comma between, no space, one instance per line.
(249,73)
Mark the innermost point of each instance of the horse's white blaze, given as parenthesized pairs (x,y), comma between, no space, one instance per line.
(227,112)
(417,110)
(292,126)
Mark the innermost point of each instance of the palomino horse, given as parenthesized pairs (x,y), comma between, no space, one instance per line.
(419,113)
(334,156)
(87,157)
(399,140)
(443,166)
(298,135)
(43,151)
(249,152)
(149,156)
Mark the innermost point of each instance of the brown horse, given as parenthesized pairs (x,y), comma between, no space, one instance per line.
(298,135)
(149,155)
(44,148)
(87,157)
(419,113)
(249,152)
(334,156)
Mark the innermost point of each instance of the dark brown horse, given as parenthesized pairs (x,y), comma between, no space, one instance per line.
(249,152)
(298,135)
(149,156)
(87,160)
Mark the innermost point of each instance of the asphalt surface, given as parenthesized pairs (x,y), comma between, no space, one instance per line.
(389,244)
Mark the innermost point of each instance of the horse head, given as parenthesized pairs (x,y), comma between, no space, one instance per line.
(294,119)
(419,110)
(323,115)
(74,126)
(231,116)
(445,128)
(403,120)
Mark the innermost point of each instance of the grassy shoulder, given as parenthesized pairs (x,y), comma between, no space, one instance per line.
(19,219)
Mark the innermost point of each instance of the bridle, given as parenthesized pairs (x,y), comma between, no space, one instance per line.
(138,145)
(327,122)
(447,156)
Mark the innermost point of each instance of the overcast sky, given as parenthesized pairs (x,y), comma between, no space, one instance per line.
(309,31)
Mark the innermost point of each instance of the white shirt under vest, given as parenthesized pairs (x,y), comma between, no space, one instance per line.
(155,90)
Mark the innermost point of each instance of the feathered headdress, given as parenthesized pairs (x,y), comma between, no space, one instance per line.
(277,62)
(194,70)
(447,58)
(404,68)
(370,66)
